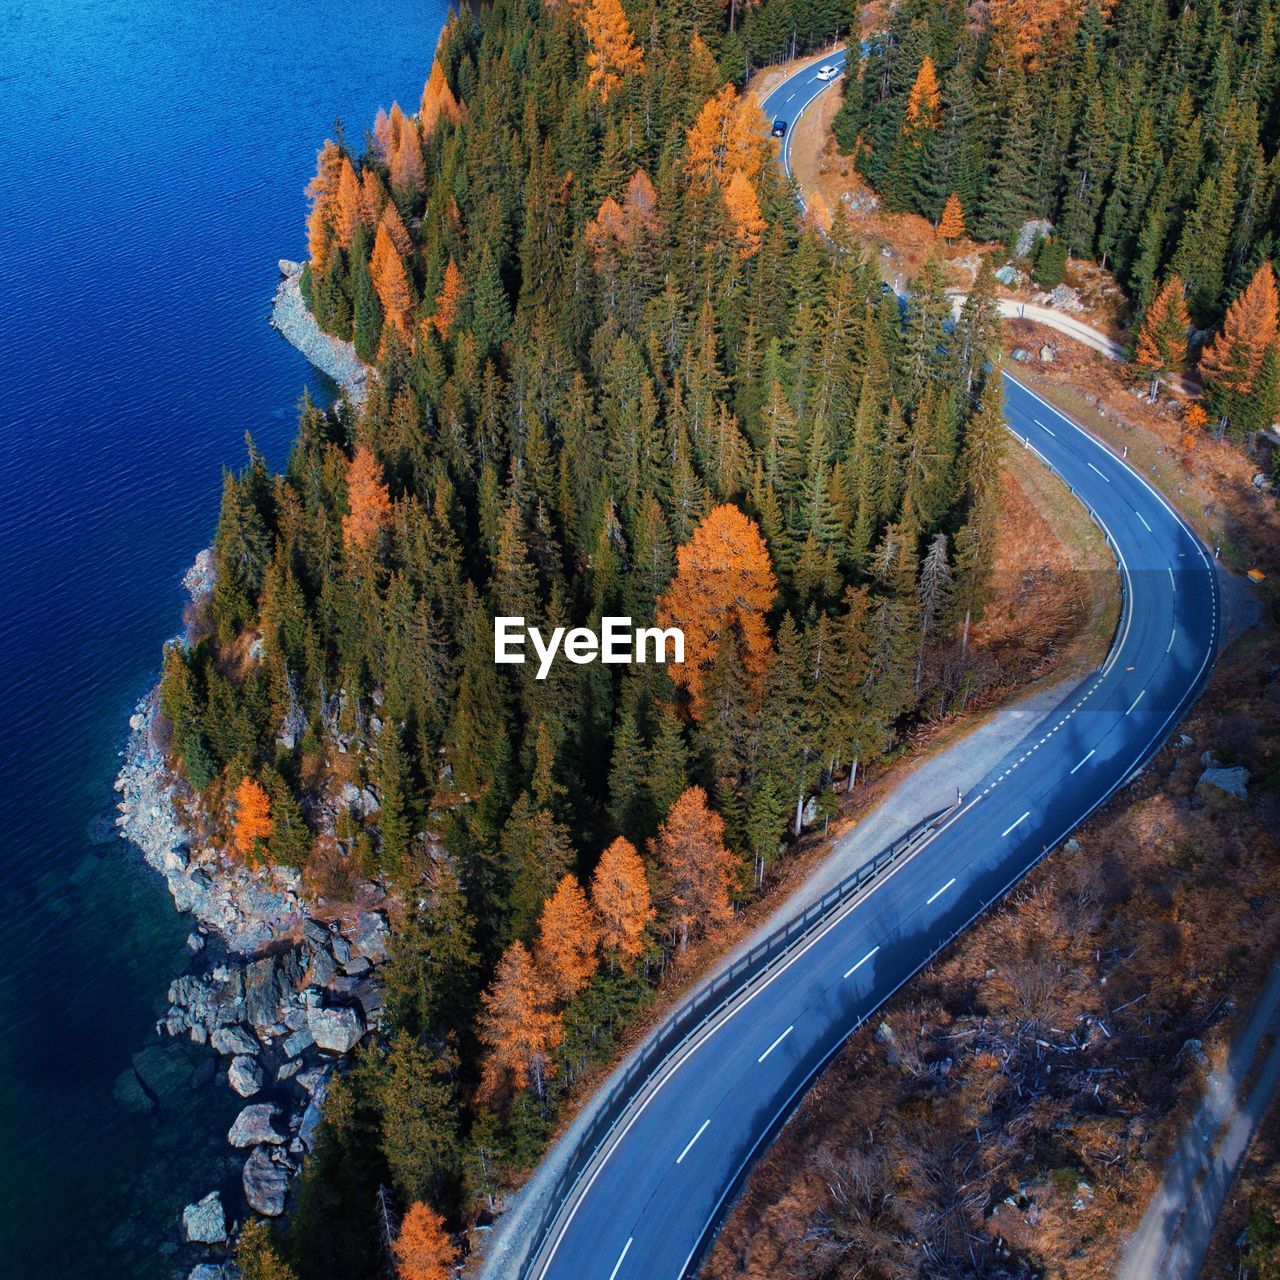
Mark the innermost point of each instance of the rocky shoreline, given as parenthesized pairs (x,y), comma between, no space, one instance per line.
(278,991)
(290,317)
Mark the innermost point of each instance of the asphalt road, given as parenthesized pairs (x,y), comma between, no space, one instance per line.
(648,1205)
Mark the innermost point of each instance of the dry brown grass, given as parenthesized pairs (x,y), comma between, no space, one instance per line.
(1019,1118)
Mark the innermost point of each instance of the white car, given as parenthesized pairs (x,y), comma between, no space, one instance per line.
(828,73)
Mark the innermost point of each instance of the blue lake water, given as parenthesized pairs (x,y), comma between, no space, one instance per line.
(152,160)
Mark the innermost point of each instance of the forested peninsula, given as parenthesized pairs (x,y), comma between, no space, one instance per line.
(615,369)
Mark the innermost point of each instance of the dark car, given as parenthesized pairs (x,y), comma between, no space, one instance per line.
(779,128)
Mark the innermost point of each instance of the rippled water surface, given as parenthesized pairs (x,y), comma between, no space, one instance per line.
(152,160)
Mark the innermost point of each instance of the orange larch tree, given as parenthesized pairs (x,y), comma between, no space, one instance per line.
(951,221)
(372,196)
(322,191)
(423,1249)
(252,817)
(922,101)
(438,102)
(350,207)
(386,269)
(407,170)
(567,935)
(744,213)
(620,897)
(517,1026)
(448,300)
(368,502)
(614,53)
(697,867)
(724,580)
(729,133)
(1161,348)
(1232,360)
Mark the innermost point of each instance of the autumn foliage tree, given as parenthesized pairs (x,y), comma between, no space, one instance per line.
(744,213)
(448,301)
(438,102)
(386,268)
(613,53)
(252,817)
(518,1026)
(951,221)
(322,191)
(423,1249)
(1232,361)
(567,934)
(620,898)
(729,134)
(922,101)
(724,581)
(368,502)
(697,868)
(1161,349)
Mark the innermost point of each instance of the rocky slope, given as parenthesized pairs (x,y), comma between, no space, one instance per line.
(337,359)
(279,995)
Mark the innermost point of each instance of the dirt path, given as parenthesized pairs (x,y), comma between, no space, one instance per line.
(1173,1237)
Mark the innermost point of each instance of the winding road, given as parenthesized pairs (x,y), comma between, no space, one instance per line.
(647,1204)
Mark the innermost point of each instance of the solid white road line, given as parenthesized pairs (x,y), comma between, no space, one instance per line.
(1020,821)
(861,962)
(1145,525)
(689,1145)
(775,1044)
(1136,700)
(1042,427)
(1085,761)
(1093,468)
(617,1266)
(940,892)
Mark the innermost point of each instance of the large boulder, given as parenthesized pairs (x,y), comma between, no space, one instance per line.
(1032,230)
(253,1126)
(163,1069)
(205,1222)
(244,1075)
(263,992)
(337,1030)
(234,1041)
(1225,781)
(266,1182)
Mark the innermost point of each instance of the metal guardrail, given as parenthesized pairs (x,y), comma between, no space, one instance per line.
(698,1011)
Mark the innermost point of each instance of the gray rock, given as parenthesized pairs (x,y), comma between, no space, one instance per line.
(129,1094)
(298,1042)
(313,1078)
(288,1070)
(324,968)
(235,1041)
(1064,298)
(205,1222)
(1184,740)
(195,942)
(266,1183)
(1233,781)
(213,1271)
(1032,230)
(315,933)
(1008,275)
(253,1126)
(313,1114)
(245,1076)
(263,991)
(337,1030)
(1048,354)
(1021,355)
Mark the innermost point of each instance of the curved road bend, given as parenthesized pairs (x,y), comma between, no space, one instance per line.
(649,1203)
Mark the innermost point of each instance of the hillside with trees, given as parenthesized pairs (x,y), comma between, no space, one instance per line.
(615,374)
